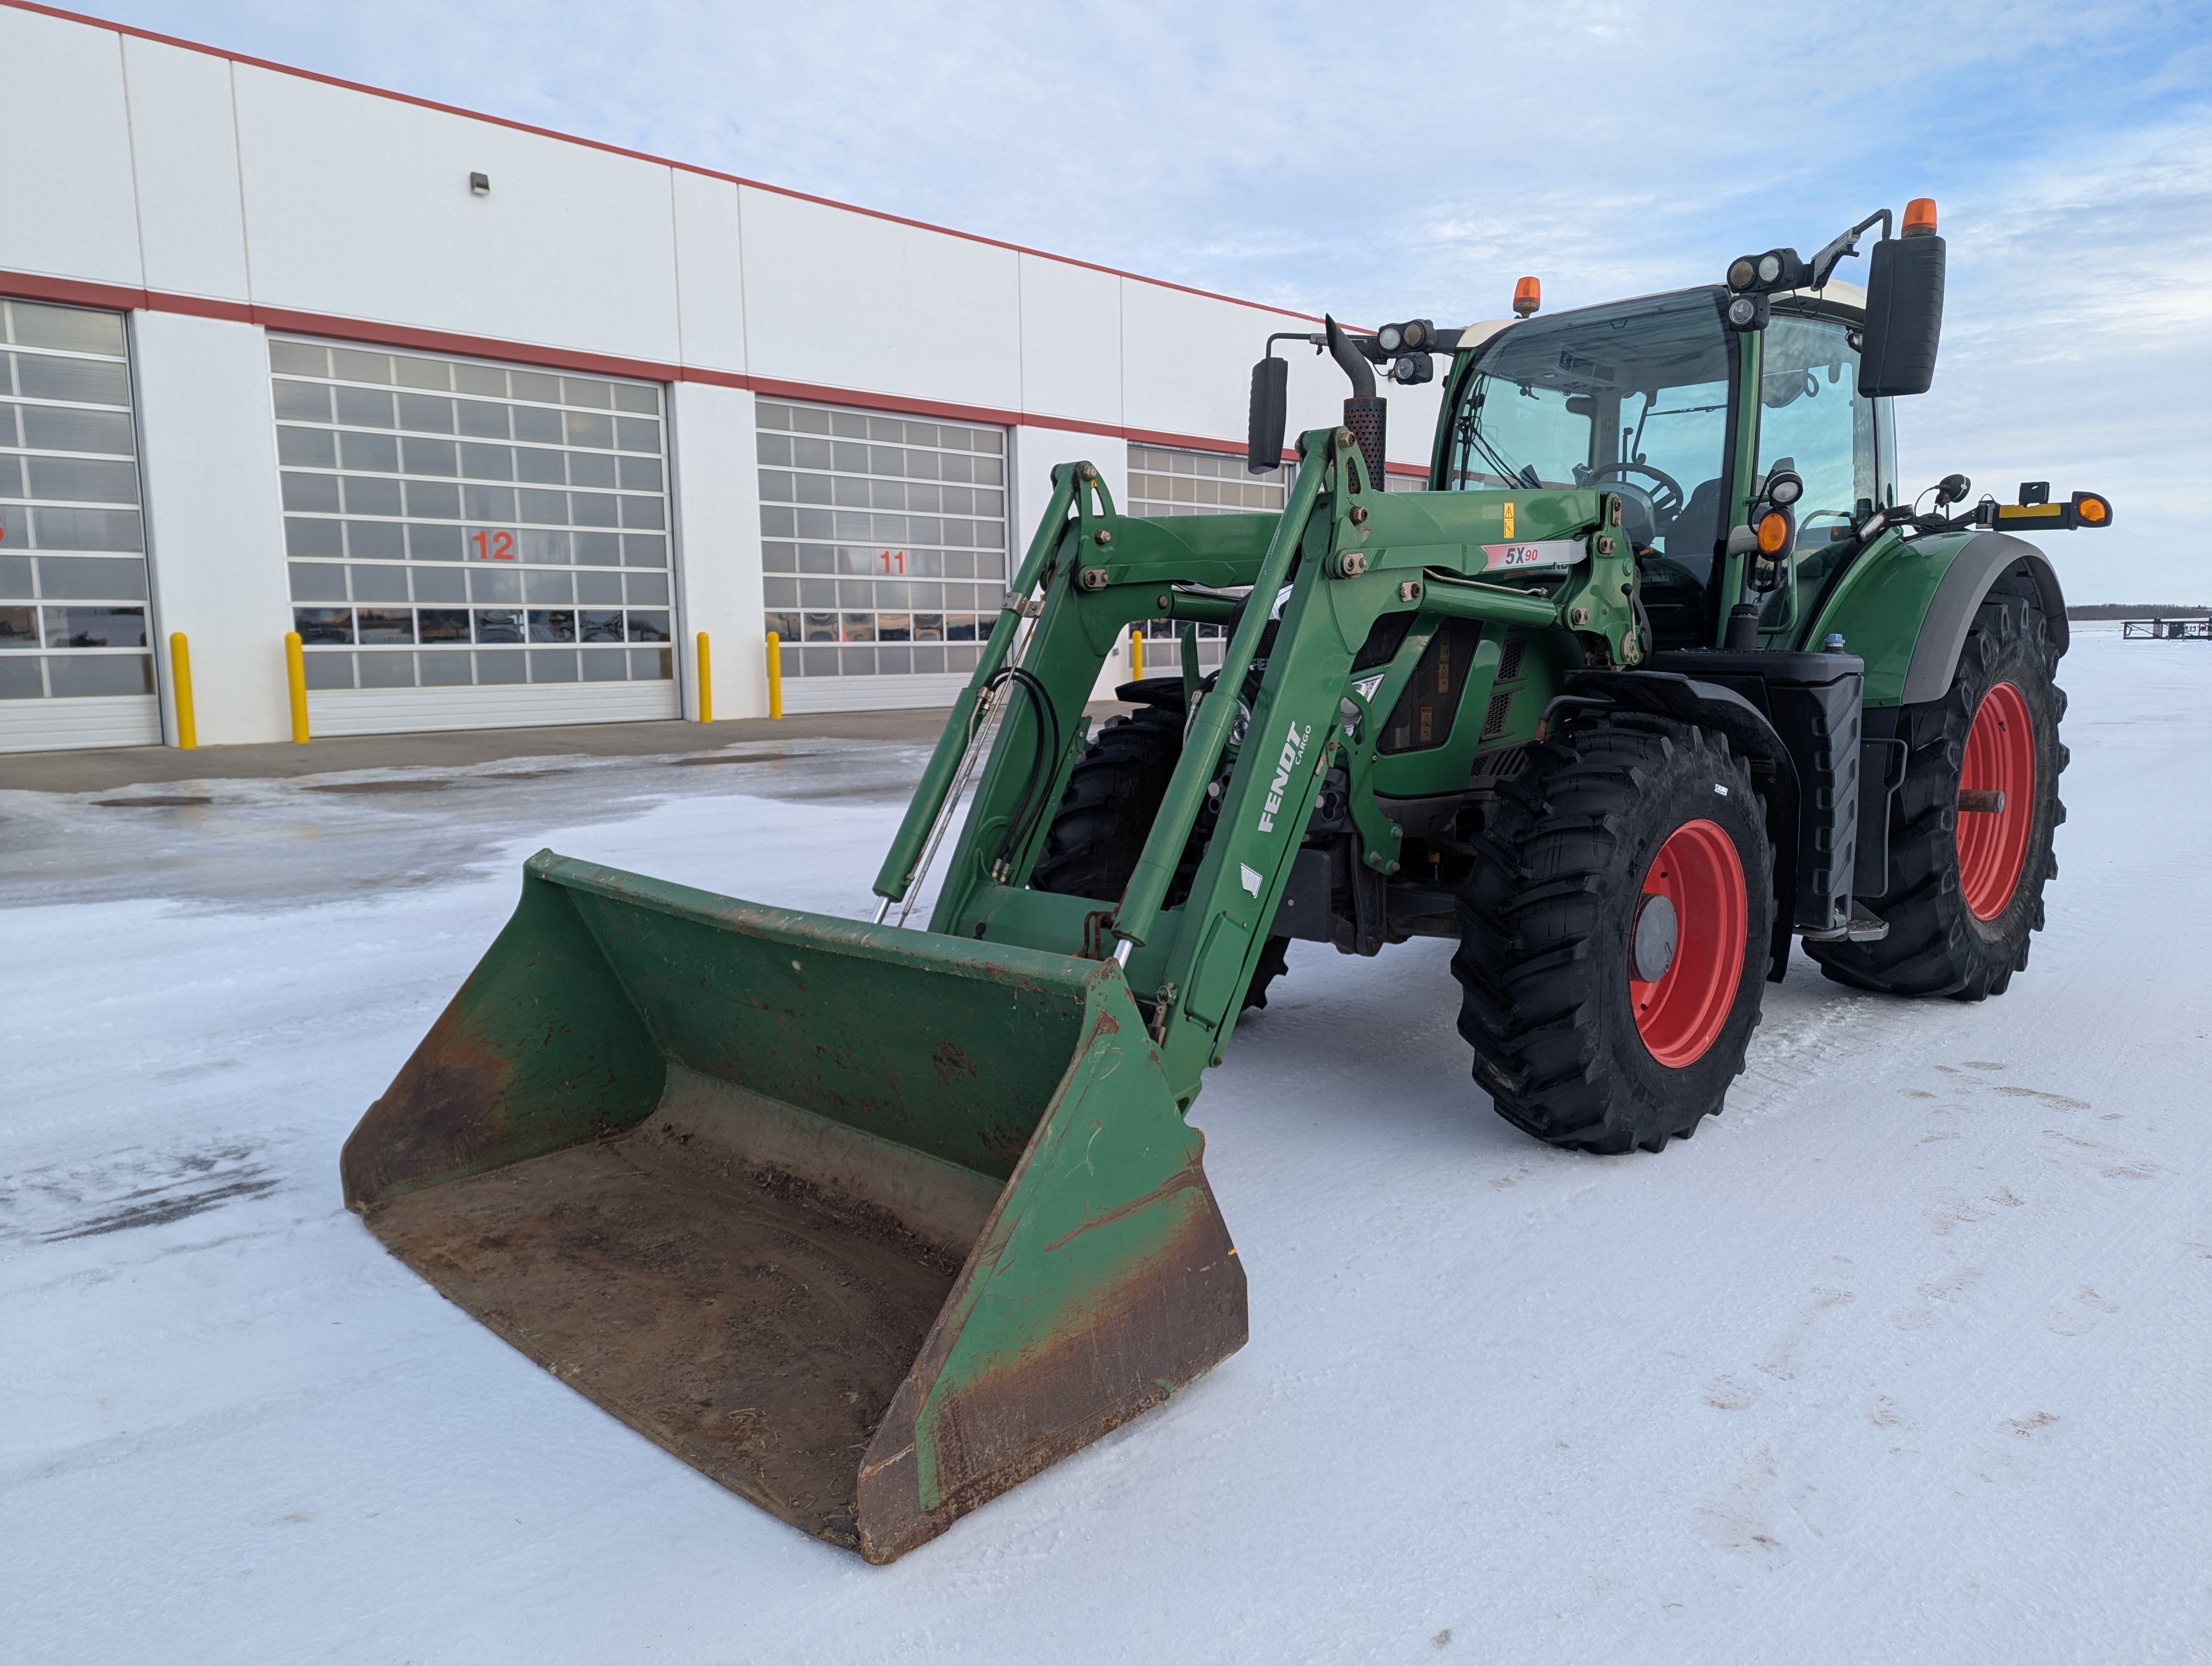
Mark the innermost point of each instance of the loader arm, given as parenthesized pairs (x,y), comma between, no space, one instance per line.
(1351,554)
(1341,555)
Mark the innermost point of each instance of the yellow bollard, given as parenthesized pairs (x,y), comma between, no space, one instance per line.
(706,681)
(1136,652)
(775,675)
(295,676)
(180,686)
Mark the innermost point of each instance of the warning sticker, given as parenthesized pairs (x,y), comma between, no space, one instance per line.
(1519,557)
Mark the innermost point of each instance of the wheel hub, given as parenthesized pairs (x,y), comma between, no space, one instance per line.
(1653,947)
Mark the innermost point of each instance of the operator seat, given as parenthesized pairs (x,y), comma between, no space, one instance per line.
(1674,584)
(1690,537)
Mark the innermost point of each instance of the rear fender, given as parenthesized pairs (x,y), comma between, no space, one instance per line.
(1985,558)
(1906,606)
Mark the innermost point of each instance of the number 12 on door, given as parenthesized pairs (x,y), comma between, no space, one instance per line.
(493,546)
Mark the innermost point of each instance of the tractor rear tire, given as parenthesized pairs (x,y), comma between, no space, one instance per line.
(1561,912)
(1966,891)
(1099,832)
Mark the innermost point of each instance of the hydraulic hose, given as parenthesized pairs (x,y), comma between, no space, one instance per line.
(929,795)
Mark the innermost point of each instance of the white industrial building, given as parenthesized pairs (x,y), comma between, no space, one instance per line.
(499,420)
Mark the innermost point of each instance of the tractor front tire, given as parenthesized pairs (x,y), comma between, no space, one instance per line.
(1099,831)
(1966,890)
(1114,790)
(1614,933)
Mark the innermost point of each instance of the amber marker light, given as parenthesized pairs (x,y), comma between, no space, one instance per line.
(1920,217)
(2091,510)
(1527,296)
(1773,534)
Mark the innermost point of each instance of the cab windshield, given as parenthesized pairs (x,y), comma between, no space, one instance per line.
(1632,396)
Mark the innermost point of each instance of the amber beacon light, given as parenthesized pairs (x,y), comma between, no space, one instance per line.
(1527,296)
(1920,217)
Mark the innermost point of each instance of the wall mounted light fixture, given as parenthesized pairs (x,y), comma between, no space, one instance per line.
(480,184)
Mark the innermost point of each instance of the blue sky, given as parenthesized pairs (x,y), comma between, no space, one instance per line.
(1408,161)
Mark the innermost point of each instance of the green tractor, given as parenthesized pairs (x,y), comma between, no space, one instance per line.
(870,1223)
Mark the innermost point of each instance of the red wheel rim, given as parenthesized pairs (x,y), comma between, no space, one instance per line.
(2001,758)
(1681,1013)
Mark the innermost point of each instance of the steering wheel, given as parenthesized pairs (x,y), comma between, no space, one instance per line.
(1666,503)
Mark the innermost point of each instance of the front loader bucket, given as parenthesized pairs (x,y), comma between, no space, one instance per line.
(867,1225)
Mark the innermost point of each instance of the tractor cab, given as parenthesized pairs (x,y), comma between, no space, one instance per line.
(1662,401)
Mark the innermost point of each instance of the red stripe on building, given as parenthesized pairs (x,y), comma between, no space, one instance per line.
(76,292)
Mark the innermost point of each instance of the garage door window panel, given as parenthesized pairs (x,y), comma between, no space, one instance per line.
(411,527)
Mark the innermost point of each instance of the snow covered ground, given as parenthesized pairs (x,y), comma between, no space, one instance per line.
(1907,1356)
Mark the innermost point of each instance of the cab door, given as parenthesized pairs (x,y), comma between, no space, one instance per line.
(1812,418)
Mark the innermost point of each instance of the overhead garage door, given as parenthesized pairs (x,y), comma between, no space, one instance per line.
(470,544)
(883,546)
(77,667)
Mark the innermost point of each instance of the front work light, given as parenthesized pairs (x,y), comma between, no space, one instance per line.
(1748,312)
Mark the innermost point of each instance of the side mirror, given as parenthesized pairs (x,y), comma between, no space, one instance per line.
(1905,314)
(1271,406)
